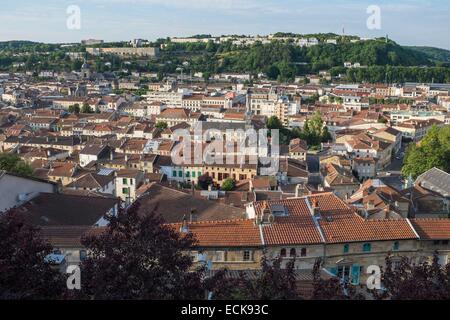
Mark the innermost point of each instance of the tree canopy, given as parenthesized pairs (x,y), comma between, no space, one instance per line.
(13,164)
(228,185)
(139,257)
(432,151)
(24,274)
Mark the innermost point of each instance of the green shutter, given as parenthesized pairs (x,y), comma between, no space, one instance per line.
(333,271)
(355,274)
(396,245)
(367,247)
(346,248)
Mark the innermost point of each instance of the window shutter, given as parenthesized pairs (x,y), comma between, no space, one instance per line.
(355,274)
(333,271)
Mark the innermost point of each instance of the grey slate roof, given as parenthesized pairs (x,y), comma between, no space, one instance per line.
(435,180)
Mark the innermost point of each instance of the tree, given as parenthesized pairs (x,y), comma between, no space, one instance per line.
(274,123)
(74,108)
(24,274)
(314,131)
(228,185)
(433,151)
(272,282)
(86,108)
(139,257)
(409,281)
(205,181)
(161,125)
(13,164)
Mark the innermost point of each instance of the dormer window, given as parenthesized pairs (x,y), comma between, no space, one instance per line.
(278,210)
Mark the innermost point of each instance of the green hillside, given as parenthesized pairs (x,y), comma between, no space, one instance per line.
(435,54)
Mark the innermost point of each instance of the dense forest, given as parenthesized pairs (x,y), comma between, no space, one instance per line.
(282,60)
(435,54)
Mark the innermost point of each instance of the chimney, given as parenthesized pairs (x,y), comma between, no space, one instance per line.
(111,155)
(265,212)
(315,207)
(184,226)
(299,192)
(126,158)
(370,205)
(387,213)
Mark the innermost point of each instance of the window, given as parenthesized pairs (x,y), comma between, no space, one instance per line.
(346,248)
(445,242)
(283,253)
(292,253)
(343,273)
(188,174)
(125,190)
(83,255)
(194,256)
(124,181)
(219,256)
(367,247)
(396,245)
(436,242)
(247,255)
(199,174)
(193,174)
(303,252)
(131,181)
(180,174)
(174,173)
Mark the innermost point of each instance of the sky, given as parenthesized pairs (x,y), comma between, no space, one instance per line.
(413,22)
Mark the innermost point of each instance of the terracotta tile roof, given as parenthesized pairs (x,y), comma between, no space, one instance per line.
(175,113)
(358,229)
(338,223)
(226,233)
(336,175)
(432,229)
(296,228)
(345,225)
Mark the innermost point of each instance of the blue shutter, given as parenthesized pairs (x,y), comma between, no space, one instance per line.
(355,274)
(333,270)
